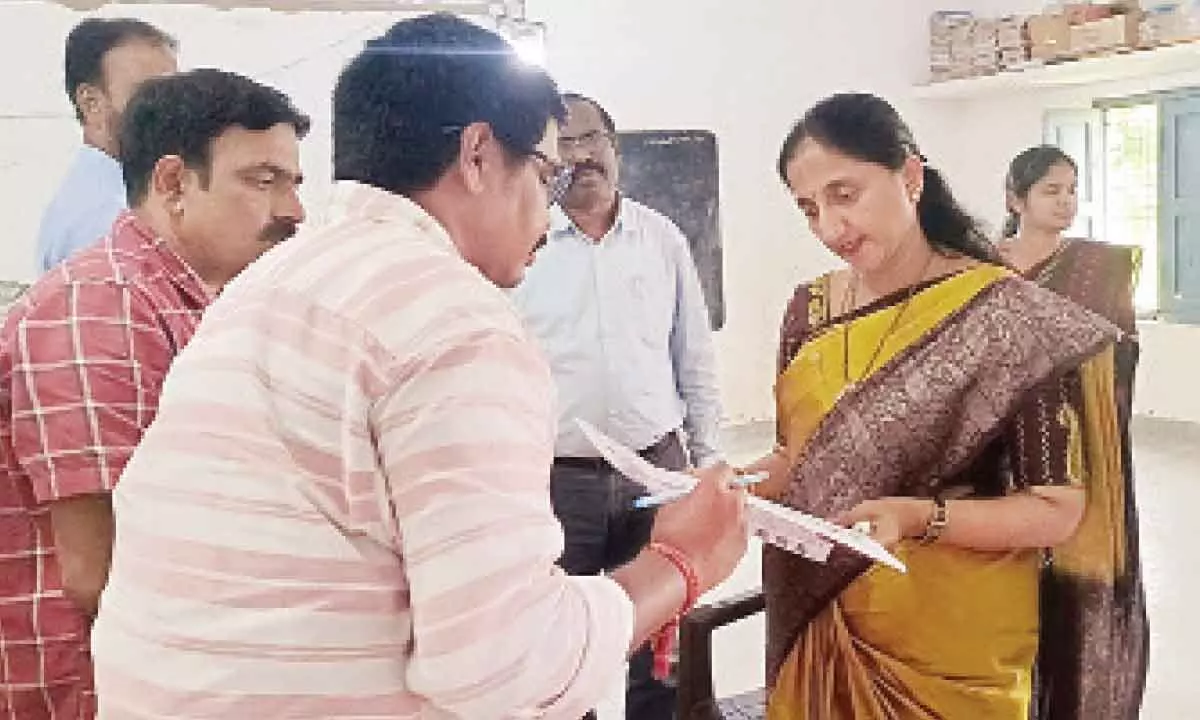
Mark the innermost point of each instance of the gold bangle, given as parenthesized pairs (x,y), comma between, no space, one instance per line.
(938,520)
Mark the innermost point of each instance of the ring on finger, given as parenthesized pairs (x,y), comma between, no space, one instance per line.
(866,527)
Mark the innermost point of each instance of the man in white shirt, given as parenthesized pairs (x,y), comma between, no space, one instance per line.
(106,60)
(615,301)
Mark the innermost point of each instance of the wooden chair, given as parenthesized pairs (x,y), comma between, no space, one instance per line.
(696,698)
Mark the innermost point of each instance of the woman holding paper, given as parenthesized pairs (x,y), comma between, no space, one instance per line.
(964,414)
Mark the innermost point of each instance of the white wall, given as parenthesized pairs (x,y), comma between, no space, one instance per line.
(745,71)
(300,54)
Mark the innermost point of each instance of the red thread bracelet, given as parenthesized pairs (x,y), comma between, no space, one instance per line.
(663,641)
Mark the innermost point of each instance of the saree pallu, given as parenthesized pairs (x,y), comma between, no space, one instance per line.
(1096,639)
(949,366)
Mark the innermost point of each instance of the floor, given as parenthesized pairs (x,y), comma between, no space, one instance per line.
(1167,455)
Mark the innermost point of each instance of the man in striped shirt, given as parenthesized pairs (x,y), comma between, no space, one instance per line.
(343,508)
(211,165)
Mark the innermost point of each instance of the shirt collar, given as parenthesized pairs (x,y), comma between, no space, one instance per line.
(132,235)
(96,158)
(561,224)
(353,200)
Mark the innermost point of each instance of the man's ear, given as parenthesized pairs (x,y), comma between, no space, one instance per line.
(166,181)
(89,99)
(476,143)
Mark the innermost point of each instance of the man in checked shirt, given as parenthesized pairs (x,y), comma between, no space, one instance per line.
(211,163)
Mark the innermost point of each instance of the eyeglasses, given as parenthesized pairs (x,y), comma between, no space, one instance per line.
(555,176)
(593,140)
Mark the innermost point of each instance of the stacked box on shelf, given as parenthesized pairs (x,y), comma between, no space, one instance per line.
(1150,31)
(985,53)
(1011,42)
(1171,22)
(939,44)
(1049,37)
(1118,32)
(1079,13)
(962,49)
(949,35)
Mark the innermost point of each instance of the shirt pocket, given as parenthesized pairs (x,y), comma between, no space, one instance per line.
(651,298)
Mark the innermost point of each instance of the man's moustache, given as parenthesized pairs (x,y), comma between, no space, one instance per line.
(578,168)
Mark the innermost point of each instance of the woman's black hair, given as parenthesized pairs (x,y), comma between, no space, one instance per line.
(868,128)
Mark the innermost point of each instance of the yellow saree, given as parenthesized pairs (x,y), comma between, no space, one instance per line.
(957,636)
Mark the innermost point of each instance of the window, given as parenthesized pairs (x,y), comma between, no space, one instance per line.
(1116,148)
(1131,190)
(1179,213)
(1139,185)
(1080,133)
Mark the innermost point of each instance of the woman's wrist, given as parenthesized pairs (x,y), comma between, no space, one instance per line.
(925,519)
(919,513)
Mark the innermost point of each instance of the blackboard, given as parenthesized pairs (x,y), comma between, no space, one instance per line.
(675,172)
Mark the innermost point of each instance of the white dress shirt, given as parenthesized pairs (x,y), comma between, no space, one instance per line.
(625,328)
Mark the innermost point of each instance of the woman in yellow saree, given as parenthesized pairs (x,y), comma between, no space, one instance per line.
(964,414)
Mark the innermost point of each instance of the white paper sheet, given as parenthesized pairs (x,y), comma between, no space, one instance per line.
(784,527)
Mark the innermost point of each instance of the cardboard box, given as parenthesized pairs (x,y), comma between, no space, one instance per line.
(1011,37)
(1080,13)
(1084,39)
(1049,36)
(1012,45)
(1119,31)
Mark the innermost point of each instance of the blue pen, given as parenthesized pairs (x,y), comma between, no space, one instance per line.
(649,501)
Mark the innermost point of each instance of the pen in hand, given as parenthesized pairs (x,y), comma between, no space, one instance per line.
(649,501)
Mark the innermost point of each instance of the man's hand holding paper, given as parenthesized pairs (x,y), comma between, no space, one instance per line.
(781,526)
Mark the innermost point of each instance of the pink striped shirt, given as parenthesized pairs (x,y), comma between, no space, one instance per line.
(342,510)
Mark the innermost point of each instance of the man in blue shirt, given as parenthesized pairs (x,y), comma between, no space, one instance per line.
(614,299)
(106,60)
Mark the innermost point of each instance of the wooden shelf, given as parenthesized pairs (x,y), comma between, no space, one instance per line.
(1159,62)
